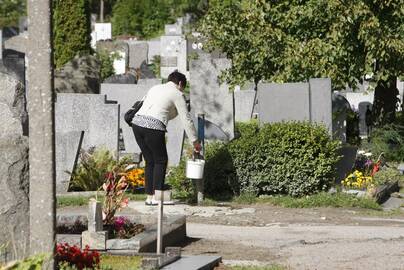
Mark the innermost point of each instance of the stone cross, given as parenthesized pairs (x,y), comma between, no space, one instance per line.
(41,128)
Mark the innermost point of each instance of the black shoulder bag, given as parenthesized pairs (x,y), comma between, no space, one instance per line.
(132,111)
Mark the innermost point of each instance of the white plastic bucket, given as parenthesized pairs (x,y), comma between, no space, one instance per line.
(195,168)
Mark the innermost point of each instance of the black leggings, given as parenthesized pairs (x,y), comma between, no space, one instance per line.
(154,150)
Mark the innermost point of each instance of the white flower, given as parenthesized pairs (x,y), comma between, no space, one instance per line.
(361,152)
(368,154)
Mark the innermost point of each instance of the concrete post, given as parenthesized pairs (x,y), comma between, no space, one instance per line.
(41,128)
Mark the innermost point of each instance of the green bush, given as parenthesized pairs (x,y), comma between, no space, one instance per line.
(182,187)
(35,262)
(219,174)
(71,30)
(107,63)
(388,140)
(284,158)
(91,171)
(387,175)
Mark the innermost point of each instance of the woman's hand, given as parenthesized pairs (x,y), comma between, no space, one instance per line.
(197,147)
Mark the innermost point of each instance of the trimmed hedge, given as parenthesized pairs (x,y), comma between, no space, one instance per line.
(292,158)
(71,29)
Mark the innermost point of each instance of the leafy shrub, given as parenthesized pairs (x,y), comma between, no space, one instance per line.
(387,175)
(90,173)
(219,174)
(183,188)
(35,262)
(284,158)
(388,140)
(107,63)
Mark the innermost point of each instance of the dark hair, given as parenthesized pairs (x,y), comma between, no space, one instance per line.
(177,77)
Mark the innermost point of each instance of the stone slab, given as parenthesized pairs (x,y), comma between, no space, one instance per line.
(173,47)
(173,230)
(68,146)
(126,95)
(283,102)
(243,105)
(393,203)
(340,108)
(359,102)
(95,240)
(138,53)
(91,113)
(194,263)
(71,239)
(17,43)
(154,49)
(94,216)
(345,164)
(209,97)
(321,102)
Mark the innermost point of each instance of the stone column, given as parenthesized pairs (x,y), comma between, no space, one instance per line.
(41,128)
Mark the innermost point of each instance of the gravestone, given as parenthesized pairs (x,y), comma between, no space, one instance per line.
(154,49)
(320,102)
(138,53)
(243,105)
(93,114)
(296,102)
(79,75)
(68,145)
(209,97)
(173,55)
(359,101)
(102,31)
(283,102)
(17,43)
(340,108)
(126,96)
(14,180)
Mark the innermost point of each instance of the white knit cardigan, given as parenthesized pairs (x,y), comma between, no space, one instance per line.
(164,102)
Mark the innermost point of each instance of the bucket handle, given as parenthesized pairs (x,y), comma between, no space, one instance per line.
(196,155)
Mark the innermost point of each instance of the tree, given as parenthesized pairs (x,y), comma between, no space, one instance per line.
(72,29)
(10,11)
(146,18)
(285,41)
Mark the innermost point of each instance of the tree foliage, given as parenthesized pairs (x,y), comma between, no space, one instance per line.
(286,41)
(146,18)
(10,11)
(72,29)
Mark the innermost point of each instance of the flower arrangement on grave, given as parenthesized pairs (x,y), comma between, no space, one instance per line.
(135,177)
(116,183)
(365,169)
(124,228)
(73,256)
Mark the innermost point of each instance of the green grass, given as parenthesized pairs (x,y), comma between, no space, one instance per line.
(64,201)
(120,262)
(318,200)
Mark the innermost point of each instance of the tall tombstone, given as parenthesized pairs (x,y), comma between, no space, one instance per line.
(154,49)
(209,97)
(126,95)
(296,102)
(14,180)
(283,102)
(41,129)
(340,108)
(321,102)
(244,104)
(138,53)
(91,113)
(359,102)
(173,55)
